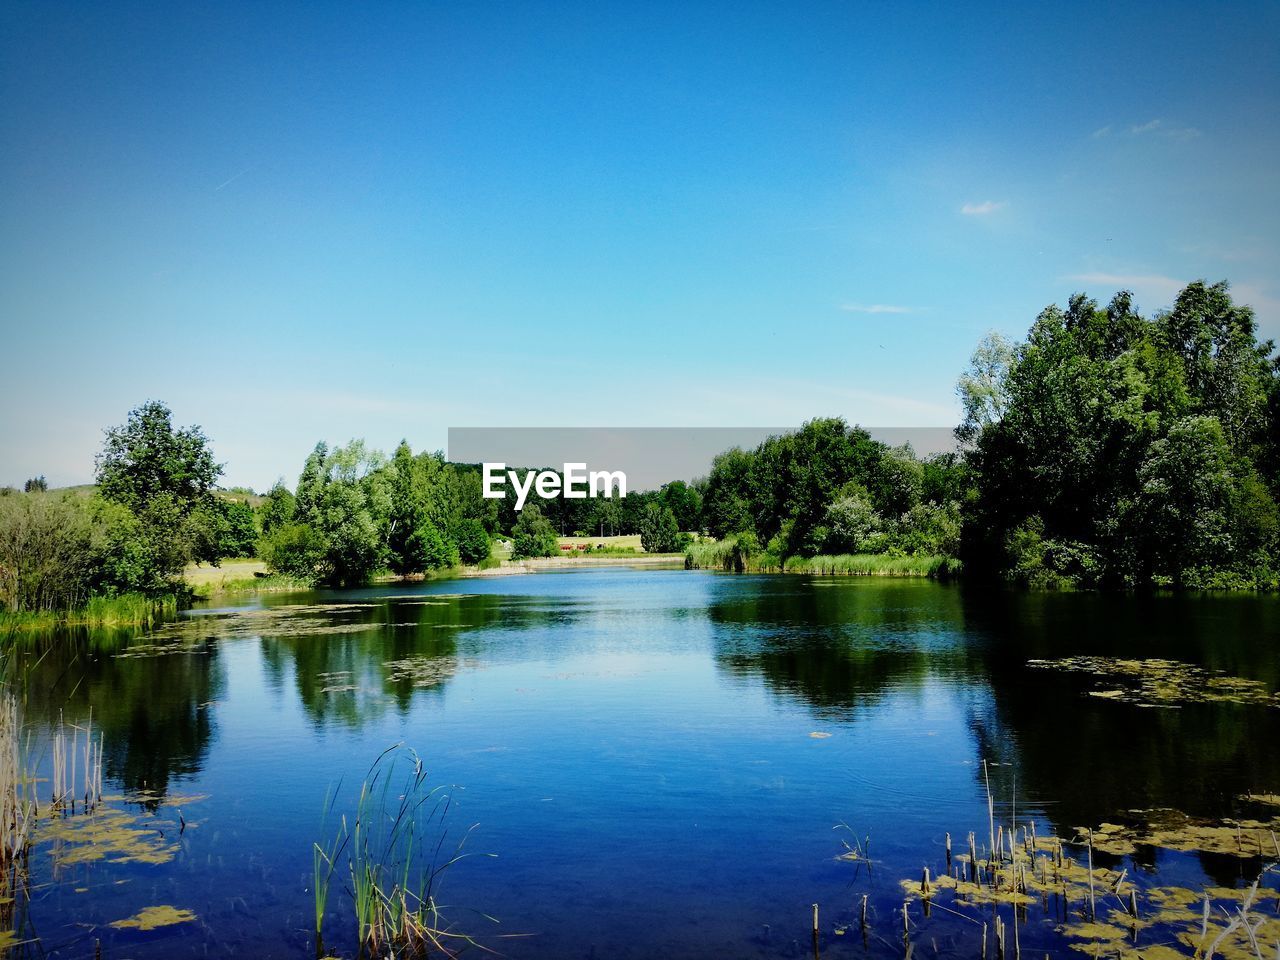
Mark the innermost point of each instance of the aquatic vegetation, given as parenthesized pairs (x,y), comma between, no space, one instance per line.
(17,795)
(192,634)
(421,671)
(1164,683)
(76,763)
(1105,911)
(390,851)
(1172,830)
(112,835)
(151,918)
(125,610)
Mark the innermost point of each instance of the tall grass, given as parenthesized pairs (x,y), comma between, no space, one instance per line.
(17,798)
(873,565)
(724,554)
(270,583)
(391,853)
(735,555)
(126,610)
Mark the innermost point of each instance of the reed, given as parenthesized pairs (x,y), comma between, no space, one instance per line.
(77,767)
(126,610)
(17,799)
(391,849)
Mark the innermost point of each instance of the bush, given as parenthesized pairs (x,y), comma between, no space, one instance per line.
(533,535)
(659,532)
(473,541)
(295,549)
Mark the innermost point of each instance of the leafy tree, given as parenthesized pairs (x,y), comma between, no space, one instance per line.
(239,530)
(853,524)
(277,507)
(36,485)
(685,503)
(147,457)
(46,553)
(659,532)
(726,499)
(473,541)
(533,535)
(1126,450)
(983,388)
(296,549)
(607,516)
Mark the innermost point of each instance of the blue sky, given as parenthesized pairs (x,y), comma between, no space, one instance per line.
(295,222)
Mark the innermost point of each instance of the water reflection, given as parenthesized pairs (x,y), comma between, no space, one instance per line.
(155,714)
(1093,757)
(614,730)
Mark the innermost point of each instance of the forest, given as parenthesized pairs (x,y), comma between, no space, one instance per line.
(1104,450)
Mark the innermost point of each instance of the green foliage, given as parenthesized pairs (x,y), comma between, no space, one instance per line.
(36,485)
(533,535)
(853,525)
(238,533)
(147,457)
(294,549)
(1127,451)
(47,553)
(831,489)
(685,504)
(726,504)
(659,532)
(473,541)
(277,508)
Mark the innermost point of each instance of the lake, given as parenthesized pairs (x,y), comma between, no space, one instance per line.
(662,763)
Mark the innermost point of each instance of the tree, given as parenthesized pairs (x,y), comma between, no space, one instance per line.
(532,535)
(473,541)
(983,388)
(726,502)
(46,553)
(147,457)
(36,485)
(659,532)
(277,508)
(685,503)
(1126,451)
(295,549)
(239,530)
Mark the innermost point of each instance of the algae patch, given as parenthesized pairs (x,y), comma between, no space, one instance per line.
(1156,682)
(150,918)
(111,835)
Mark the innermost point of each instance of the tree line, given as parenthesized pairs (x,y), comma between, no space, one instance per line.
(1105,449)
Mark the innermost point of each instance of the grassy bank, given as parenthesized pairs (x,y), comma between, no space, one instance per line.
(732,555)
(127,610)
(239,576)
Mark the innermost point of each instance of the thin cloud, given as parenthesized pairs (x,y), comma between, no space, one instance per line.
(1101,132)
(1161,128)
(874,308)
(982,209)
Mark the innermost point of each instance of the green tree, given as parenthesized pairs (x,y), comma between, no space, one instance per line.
(277,508)
(685,502)
(1126,450)
(148,457)
(532,535)
(659,532)
(473,541)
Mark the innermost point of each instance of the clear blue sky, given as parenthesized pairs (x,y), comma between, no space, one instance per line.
(295,222)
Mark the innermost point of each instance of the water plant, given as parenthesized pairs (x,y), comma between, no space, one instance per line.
(391,851)
(1106,910)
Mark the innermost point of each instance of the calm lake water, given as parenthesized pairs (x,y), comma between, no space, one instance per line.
(660,760)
